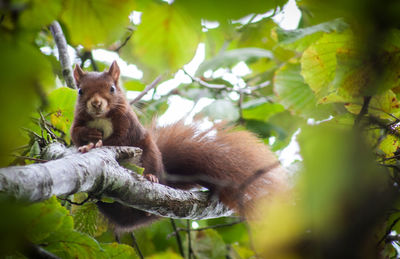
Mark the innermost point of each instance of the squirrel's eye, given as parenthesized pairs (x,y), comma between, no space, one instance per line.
(80,92)
(112,89)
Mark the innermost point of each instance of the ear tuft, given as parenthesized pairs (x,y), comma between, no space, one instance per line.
(78,74)
(114,71)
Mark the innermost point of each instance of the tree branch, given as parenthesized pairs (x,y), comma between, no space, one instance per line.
(62,47)
(99,174)
(146,89)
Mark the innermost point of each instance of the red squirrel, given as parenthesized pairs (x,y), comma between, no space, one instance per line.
(224,160)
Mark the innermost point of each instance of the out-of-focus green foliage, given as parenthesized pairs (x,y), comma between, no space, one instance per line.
(334,80)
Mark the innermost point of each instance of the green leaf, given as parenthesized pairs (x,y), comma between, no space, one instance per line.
(285,125)
(35,150)
(61,108)
(262,34)
(85,218)
(241,251)
(24,72)
(34,16)
(319,63)
(165,40)
(134,85)
(45,218)
(231,234)
(300,39)
(357,76)
(73,244)
(295,94)
(260,109)
(92,22)
(119,251)
(208,244)
(223,10)
(166,255)
(135,168)
(232,57)
(389,145)
(381,105)
(222,110)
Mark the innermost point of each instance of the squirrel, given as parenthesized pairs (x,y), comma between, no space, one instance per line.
(234,165)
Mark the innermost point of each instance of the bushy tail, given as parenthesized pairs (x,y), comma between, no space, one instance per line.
(235,165)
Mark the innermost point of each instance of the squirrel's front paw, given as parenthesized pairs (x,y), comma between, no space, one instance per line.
(86,148)
(90,146)
(151,178)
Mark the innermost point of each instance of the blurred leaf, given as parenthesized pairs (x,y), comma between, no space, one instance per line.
(85,218)
(195,93)
(208,244)
(264,129)
(285,125)
(230,234)
(300,39)
(380,105)
(134,85)
(260,109)
(35,150)
(284,224)
(165,255)
(119,251)
(61,108)
(34,17)
(227,9)
(295,94)
(153,239)
(92,22)
(356,76)
(389,145)
(319,64)
(337,163)
(25,75)
(45,218)
(165,40)
(241,252)
(222,110)
(232,57)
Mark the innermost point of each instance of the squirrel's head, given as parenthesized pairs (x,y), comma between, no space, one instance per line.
(98,92)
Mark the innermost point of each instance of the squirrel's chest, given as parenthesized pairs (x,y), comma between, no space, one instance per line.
(102,124)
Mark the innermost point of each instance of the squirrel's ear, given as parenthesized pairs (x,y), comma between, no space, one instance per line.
(78,74)
(114,71)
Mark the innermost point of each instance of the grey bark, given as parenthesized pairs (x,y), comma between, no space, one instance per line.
(62,47)
(98,173)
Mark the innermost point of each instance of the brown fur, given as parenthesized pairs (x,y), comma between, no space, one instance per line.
(222,159)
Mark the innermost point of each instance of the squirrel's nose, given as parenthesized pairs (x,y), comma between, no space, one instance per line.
(96,104)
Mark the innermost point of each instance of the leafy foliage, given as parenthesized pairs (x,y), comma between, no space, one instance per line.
(334,80)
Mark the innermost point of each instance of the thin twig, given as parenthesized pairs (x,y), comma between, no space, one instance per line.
(240,104)
(44,125)
(76,203)
(204,83)
(364,110)
(125,42)
(190,249)
(93,62)
(32,158)
(147,89)
(388,231)
(136,246)
(178,238)
(62,47)
(177,230)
